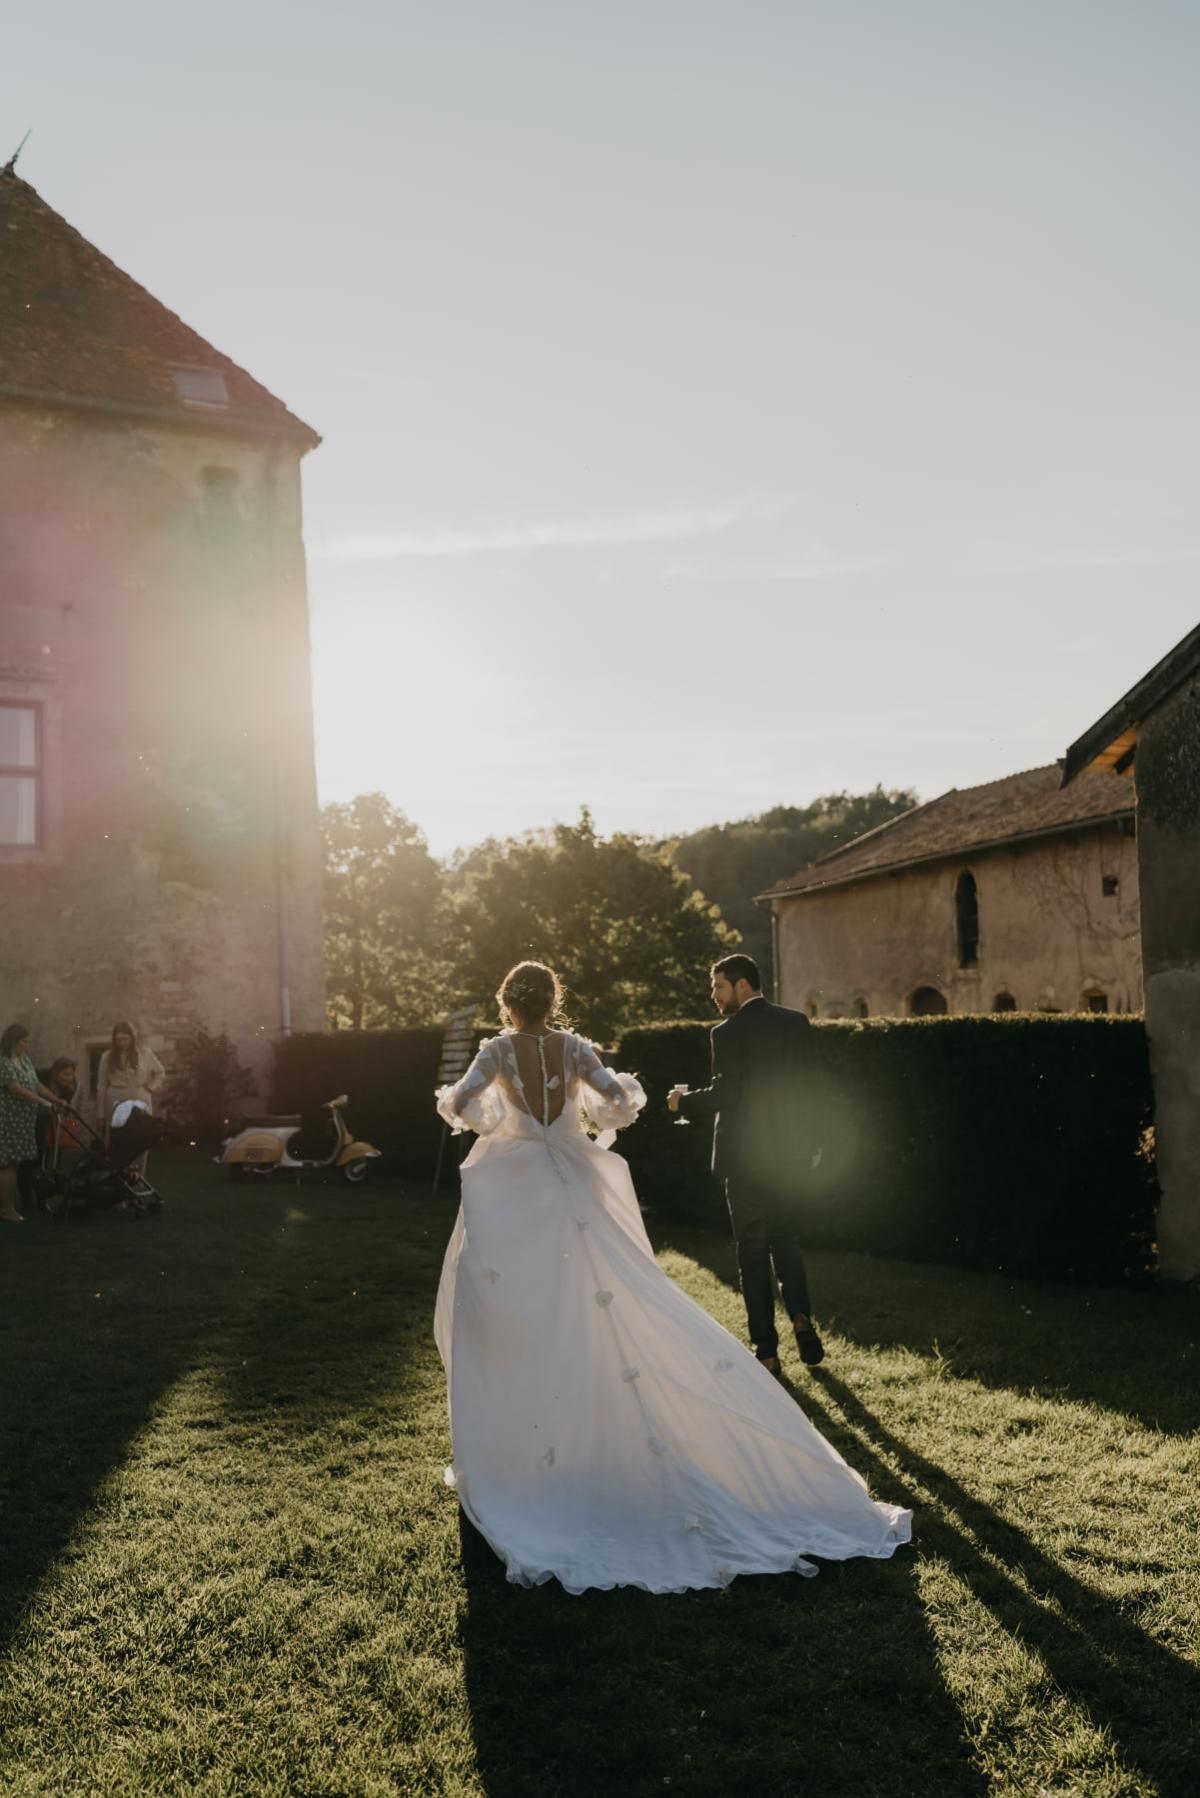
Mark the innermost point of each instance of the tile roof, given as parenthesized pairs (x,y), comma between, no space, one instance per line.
(1112,740)
(75,330)
(1031,804)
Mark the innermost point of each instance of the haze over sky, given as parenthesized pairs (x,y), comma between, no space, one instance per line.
(722,404)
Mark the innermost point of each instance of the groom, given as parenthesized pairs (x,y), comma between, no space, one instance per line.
(761,1148)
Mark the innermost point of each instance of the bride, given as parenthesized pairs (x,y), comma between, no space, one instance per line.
(607,1431)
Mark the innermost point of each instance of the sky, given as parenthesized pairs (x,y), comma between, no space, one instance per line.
(722,404)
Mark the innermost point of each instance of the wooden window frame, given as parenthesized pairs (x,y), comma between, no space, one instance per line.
(36,773)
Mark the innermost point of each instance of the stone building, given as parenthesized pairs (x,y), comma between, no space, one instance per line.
(1014,896)
(1153,733)
(159,846)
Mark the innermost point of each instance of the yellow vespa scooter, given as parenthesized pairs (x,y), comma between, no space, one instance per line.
(265,1146)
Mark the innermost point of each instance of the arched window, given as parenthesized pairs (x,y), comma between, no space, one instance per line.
(1004,1002)
(966,906)
(861,1009)
(927,1002)
(811,1007)
(1095,999)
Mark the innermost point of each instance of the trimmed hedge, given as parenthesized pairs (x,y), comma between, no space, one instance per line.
(1007,1142)
(1010,1142)
(670,1161)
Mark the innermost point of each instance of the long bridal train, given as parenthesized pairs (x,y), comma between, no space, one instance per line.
(607,1431)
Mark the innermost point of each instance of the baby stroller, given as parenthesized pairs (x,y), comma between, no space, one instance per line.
(102,1179)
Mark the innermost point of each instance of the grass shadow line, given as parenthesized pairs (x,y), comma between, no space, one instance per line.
(91,1362)
(1131,1351)
(1147,1696)
(776,1683)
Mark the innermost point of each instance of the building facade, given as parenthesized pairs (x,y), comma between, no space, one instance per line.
(159,844)
(1152,734)
(1007,897)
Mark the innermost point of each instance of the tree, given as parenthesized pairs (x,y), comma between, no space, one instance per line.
(384,908)
(730,863)
(630,937)
(632,926)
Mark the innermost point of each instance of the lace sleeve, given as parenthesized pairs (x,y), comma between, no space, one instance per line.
(474,1103)
(609,1101)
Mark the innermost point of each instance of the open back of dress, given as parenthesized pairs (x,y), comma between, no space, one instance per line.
(539,1084)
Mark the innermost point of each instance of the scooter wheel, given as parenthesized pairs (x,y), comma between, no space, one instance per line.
(356,1171)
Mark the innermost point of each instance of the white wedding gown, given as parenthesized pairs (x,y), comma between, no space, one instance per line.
(607,1431)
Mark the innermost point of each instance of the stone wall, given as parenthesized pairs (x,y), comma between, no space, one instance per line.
(1049,936)
(153,604)
(1168,788)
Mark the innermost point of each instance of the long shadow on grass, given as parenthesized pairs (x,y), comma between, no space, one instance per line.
(97,1320)
(100,1319)
(776,1685)
(1146,1696)
(350,1319)
(1133,1352)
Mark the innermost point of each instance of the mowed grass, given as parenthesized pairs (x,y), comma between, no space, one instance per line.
(229,1563)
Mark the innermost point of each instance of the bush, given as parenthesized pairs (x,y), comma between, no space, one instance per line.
(1005,1142)
(208,1081)
(389,1077)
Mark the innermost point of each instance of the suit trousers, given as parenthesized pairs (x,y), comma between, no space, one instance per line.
(765,1229)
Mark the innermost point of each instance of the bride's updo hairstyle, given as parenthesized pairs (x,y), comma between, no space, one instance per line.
(530,993)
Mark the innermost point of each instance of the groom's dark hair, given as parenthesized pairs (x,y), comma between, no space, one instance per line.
(739,967)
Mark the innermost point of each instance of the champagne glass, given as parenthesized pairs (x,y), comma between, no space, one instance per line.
(680,1090)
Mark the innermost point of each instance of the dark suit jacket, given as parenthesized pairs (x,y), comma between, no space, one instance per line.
(763,1127)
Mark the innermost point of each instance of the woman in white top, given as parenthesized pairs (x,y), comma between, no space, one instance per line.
(126,1071)
(607,1431)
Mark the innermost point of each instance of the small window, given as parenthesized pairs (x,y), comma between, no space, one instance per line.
(1095,1001)
(811,1007)
(966,905)
(219,483)
(927,1002)
(20,775)
(200,386)
(861,1009)
(1108,885)
(1004,1002)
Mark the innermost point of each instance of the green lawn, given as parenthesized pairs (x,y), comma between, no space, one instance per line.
(229,1564)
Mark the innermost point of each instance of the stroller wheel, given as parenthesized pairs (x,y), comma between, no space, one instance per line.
(57,1204)
(47,1186)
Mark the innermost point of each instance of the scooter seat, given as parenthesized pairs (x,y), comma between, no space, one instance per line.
(268,1124)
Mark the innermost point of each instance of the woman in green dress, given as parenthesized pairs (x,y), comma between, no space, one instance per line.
(21,1096)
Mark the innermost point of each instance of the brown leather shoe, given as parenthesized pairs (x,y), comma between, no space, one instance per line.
(812,1349)
(771,1363)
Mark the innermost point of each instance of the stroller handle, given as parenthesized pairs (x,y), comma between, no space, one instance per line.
(65,1110)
